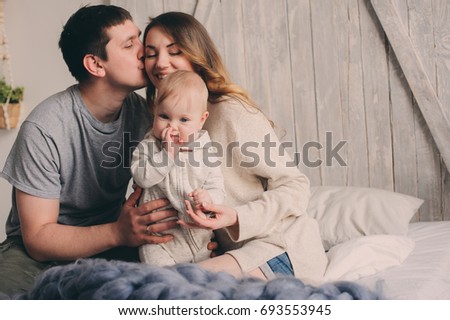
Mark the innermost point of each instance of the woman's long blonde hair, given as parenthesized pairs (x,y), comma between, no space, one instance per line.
(194,41)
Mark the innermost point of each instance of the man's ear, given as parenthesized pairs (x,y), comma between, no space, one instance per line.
(93,65)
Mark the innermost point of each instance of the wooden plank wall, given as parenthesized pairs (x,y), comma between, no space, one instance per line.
(325,73)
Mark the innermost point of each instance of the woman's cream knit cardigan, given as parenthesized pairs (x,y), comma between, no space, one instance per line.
(272,221)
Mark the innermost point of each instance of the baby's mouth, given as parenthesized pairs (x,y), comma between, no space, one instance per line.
(175,137)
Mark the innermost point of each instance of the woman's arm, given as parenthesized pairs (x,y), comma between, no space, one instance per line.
(287,189)
(258,160)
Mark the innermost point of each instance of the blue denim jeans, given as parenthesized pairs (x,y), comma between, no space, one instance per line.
(278,266)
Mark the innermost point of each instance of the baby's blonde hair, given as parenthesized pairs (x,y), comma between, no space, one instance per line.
(183,82)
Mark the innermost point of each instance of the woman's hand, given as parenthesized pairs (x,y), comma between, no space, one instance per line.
(222,217)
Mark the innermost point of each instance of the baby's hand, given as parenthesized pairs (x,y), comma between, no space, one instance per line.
(200,196)
(168,142)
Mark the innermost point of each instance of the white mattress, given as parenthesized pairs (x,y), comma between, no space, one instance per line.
(425,274)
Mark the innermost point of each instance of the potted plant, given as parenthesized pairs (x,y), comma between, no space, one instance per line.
(10,106)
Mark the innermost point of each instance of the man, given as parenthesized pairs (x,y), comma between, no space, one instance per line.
(69,166)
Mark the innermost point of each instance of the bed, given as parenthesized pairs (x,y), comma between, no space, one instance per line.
(374,252)
(425,273)
(371,241)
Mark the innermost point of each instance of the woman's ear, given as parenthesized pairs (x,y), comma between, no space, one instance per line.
(93,65)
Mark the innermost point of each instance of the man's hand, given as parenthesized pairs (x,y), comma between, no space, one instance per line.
(138,225)
(214,246)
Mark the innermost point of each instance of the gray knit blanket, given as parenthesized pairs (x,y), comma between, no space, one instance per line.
(117,280)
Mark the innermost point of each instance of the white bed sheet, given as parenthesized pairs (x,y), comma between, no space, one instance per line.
(425,274)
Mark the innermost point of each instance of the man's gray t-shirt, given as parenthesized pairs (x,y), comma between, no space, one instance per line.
(63,152)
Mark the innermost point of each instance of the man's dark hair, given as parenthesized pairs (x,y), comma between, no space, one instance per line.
(85,33)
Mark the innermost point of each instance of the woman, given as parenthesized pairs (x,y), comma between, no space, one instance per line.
(263,225)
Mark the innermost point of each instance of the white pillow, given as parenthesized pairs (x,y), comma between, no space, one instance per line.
(366,255)
(344,213)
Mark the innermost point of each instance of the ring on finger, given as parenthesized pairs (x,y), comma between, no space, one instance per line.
(147,231)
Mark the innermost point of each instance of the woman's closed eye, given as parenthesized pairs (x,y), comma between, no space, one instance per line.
(173,49)
(175,52)
(150,52)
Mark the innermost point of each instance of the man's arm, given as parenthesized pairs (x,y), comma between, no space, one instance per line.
(45,239)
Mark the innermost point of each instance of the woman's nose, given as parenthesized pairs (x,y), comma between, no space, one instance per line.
(162,61)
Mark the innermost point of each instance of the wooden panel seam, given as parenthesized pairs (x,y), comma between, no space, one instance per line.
(416,76)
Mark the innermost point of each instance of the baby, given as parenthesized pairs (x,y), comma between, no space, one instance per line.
(170,163)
